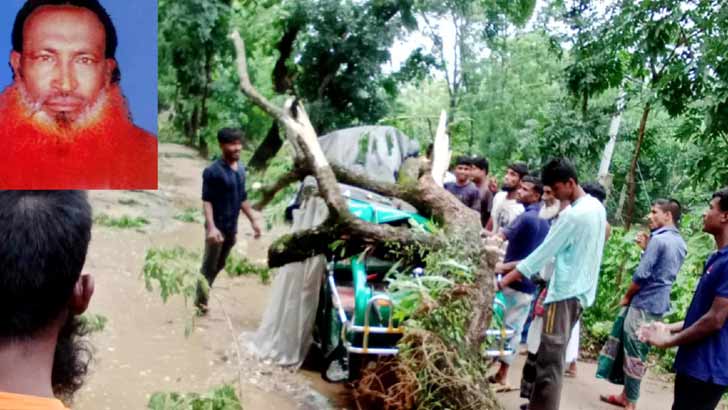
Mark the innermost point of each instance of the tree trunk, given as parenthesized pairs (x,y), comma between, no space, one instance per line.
(631,181)
(460,225)
(202,142)
(620,203)
(603,175)
(282,83)
(267,149)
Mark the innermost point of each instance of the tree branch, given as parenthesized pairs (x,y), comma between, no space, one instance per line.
(385,240)
(269,191)
(301,245)
(245,85)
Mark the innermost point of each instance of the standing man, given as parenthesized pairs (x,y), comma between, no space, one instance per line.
(550,209)
(44,238)
(622,359)
(505,206)
(479,173)
(523,235)
(462,188)
(223,197)
(596,190)
(576,241)
(701,364)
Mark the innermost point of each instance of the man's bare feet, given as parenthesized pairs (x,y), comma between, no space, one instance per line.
(616,400)
(571,370)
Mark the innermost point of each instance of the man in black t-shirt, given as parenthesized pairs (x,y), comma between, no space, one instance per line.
(223,197)
(462,188)
(479,173)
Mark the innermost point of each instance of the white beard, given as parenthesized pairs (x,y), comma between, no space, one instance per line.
(550,212)
(88,113)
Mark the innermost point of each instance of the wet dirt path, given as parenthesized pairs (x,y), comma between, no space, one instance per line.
(143,348)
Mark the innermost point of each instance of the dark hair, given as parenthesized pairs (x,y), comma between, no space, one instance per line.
(44,237)
(537,185)
(536,181)
(670,205)
(519,168)
(428,151)
(481,163)
(596,190)
(228,135)
(464,160)
(558,170)
(722,196)
(92,5)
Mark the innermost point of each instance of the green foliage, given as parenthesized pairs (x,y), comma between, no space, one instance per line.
(93,322)
(668,54)
(447,268)
(221,398)
(340,52)
(190,215)
(239,266)
(281,164)
(190,42)
(176,272)
(122,222)
(621,257)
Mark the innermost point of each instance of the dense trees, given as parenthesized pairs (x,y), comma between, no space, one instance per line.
(521,80)
(519,83)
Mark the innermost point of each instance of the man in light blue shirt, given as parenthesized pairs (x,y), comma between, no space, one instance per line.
(623,357)
(576,241)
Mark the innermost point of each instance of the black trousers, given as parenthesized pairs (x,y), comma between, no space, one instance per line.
(558,321)
(694,394)
(216,255)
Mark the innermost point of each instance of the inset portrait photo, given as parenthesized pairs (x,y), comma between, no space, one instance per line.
(78,99)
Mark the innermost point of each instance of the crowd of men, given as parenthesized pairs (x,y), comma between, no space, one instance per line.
(553,229)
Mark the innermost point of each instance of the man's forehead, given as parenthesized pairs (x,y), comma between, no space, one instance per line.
(63,27)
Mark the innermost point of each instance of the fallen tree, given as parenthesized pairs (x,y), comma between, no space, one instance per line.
(440,365)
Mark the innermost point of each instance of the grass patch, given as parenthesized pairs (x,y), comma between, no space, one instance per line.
(239,266)
(93,322)
(122,222)
(129,202)
(190,215)
(221,398)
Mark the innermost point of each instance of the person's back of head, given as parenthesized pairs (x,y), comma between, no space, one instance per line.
(44,237)
(481,163)
(596,190)
(558,170)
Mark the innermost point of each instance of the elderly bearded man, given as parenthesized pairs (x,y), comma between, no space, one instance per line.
(65,123)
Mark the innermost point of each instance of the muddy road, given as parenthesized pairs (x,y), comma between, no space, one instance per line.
(143,348)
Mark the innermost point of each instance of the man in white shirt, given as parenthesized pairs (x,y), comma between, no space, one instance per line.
(505,207)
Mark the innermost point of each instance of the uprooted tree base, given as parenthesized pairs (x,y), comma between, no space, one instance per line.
(440,365)
(429,372)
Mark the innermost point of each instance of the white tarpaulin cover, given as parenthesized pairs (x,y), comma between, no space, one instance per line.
(285,331)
